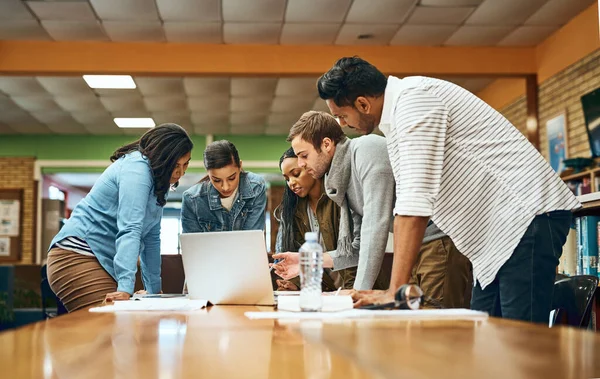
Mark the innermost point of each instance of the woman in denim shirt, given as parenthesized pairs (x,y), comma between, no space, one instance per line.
(94,256)
(227,198)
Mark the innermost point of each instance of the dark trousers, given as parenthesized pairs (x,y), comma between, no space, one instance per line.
(523,288)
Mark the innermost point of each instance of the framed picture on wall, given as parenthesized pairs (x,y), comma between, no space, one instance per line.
(558,142)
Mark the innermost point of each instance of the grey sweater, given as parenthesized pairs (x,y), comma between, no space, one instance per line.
(370,193)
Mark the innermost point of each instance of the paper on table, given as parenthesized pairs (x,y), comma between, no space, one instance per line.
(150,304)
(330,303)
(420,314)
(287,293)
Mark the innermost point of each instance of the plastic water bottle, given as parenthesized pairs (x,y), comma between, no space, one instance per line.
(311,273)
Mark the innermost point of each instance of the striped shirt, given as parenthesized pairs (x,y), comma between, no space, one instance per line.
(457,160)
(75,244)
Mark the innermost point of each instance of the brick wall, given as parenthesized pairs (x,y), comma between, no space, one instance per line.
(562,92)
(18,173)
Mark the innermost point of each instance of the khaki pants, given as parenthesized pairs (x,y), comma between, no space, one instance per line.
(444,274)
(78,280)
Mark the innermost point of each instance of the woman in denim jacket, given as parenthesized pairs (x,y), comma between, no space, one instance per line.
(227,198)
(94,257)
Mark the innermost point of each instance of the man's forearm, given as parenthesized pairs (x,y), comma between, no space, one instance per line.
(408,237)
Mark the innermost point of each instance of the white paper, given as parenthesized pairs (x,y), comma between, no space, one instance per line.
(421,314)
(9,218)
(4,246)
(172,305)
(287,293)
(330,303)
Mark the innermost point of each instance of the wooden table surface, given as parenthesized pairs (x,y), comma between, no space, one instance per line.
(222,343)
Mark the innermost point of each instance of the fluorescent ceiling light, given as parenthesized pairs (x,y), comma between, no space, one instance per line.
(109,81)
(131,122)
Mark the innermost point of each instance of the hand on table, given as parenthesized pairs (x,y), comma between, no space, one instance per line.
(361,298)
(116,296)
(286,285)
(288,266)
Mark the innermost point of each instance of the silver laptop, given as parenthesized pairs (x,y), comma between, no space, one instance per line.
(227,267)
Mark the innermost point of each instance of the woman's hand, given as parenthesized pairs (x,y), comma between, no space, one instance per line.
(286,285)
(116,296)
(288,266)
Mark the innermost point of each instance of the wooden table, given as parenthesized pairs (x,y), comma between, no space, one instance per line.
(222,343)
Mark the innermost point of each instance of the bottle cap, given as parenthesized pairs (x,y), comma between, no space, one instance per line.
(310,236)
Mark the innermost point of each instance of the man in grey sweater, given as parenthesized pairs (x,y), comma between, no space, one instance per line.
(359,178)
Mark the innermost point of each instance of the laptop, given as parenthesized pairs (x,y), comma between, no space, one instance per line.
(227,267)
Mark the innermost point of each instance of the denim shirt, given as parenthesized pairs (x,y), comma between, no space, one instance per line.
(120,221)
(201,209)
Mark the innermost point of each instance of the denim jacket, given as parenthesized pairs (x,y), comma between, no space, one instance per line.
(201,209)
(120,221)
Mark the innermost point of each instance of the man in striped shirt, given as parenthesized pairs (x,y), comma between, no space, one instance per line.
(461,163)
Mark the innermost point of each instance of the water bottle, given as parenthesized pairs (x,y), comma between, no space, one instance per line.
(311,273)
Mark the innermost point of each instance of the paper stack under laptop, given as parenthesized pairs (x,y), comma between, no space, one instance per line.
(330,303)
(150,304)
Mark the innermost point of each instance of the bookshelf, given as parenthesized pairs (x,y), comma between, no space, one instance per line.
(584,182)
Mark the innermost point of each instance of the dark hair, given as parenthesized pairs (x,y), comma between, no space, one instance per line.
(284,213)
(219,154)
(349,78)
(314,126)
(163,146)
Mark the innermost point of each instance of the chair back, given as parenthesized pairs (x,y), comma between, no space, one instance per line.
(572,300)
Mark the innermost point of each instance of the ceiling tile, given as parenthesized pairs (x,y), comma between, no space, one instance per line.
(117,92)
(450,3)
(470,35)
(165,103)
(380,11)
(21,85)
(194,32)
(527,35)
(316,11)
(439,15)
(14,10)
(381,34)
(253,11)
(247,130)
(296,86)
(53,117)
(122,103)
(286,119)
(34,127)
(206,86)
(211,129)
(75,30)
(263,34)
(64,85)
(292,104)
(62,10)
(79,103)
(181,118)
(134,31)
(505,12)
(189,10)
(309,34)
(247,119)
(320,105)
(159,86)
(131,113)
(23,122)
(204,118)
(558,12)
(22,30)
(253,86)
(200,104)
(67,128)
(125,10)
(93,117)
(423,35)
(36,103)
(104,129)
(7,104)
(250,104)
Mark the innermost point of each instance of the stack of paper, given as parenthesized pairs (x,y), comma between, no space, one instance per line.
(150,304)
(421,314)
(330,303)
